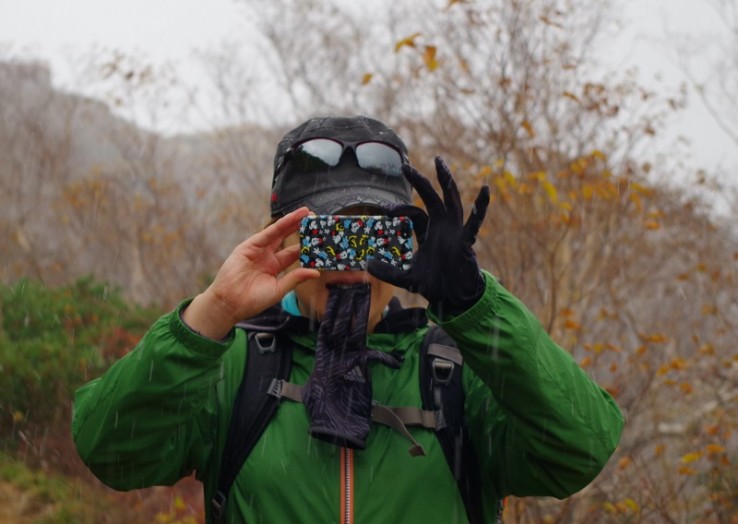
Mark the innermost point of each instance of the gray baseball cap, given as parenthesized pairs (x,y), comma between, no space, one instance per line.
(331,163)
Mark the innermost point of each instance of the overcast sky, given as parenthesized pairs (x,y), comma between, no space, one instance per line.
(171,29)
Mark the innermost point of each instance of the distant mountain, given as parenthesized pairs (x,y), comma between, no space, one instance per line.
(52,140)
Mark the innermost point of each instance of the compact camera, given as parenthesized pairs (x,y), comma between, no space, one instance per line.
(346,243)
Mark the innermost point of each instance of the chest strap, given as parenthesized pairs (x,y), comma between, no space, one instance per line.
(398,418)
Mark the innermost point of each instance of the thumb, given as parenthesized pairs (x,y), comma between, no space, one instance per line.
(292,279)
(388,273)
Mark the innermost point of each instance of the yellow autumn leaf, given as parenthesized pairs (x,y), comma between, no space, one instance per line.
(679,364)
(550,190)
(528,128)
(714,449)
(578,166)
(429,57)
(406,42)
(691,457)
(652,225)
(505,179)
(636,199)
(597,154)
(538,175)
(655,338)
(366,78)
(484,172)
(640,188)
(632,505)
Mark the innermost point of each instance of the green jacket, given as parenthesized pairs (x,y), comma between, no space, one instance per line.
(539,424)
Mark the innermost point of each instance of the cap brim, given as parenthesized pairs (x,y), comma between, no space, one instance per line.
(334,201)
(327,192)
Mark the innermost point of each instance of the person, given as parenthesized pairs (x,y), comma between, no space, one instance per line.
(538,424)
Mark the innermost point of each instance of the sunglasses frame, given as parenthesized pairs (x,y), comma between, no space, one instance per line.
(404,160)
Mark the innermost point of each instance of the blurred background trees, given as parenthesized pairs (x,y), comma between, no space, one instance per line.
(630,271)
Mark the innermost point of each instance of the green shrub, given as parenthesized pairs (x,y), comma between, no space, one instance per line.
(46,497)
(54,340)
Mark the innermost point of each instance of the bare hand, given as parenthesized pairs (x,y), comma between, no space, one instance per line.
(250,280)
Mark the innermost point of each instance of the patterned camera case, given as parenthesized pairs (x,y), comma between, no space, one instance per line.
(346,243)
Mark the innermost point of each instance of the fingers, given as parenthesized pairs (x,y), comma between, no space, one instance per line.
(450,206)
(422,185)
(279,230)
(478,212)
(287,256)
(451,196)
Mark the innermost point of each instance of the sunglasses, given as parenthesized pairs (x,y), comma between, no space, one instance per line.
(320,154)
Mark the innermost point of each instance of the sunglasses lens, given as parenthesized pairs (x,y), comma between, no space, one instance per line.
(316,155)
(379,158)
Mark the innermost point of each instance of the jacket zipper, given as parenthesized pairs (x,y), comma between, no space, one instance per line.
(347,486)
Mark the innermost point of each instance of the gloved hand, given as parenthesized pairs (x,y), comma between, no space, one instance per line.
(338,394)
(444,269)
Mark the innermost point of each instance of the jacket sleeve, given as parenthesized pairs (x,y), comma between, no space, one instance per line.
(150,419)
(540,425)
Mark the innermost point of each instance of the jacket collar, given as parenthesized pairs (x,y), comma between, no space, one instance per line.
(397,320)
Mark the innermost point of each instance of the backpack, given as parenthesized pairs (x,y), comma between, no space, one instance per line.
(268,367)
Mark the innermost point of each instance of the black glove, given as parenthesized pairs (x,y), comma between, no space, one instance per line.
(338,394)
(444,269)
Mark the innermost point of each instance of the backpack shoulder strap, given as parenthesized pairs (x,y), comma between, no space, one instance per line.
(269,357)
(441,389)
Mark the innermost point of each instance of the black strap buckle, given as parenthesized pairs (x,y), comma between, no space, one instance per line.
(443,371)
(218,503)
(265,342)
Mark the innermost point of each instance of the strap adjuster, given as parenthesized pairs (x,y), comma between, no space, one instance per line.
(275,388)
(218,503)
(443,371)
(265,342)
